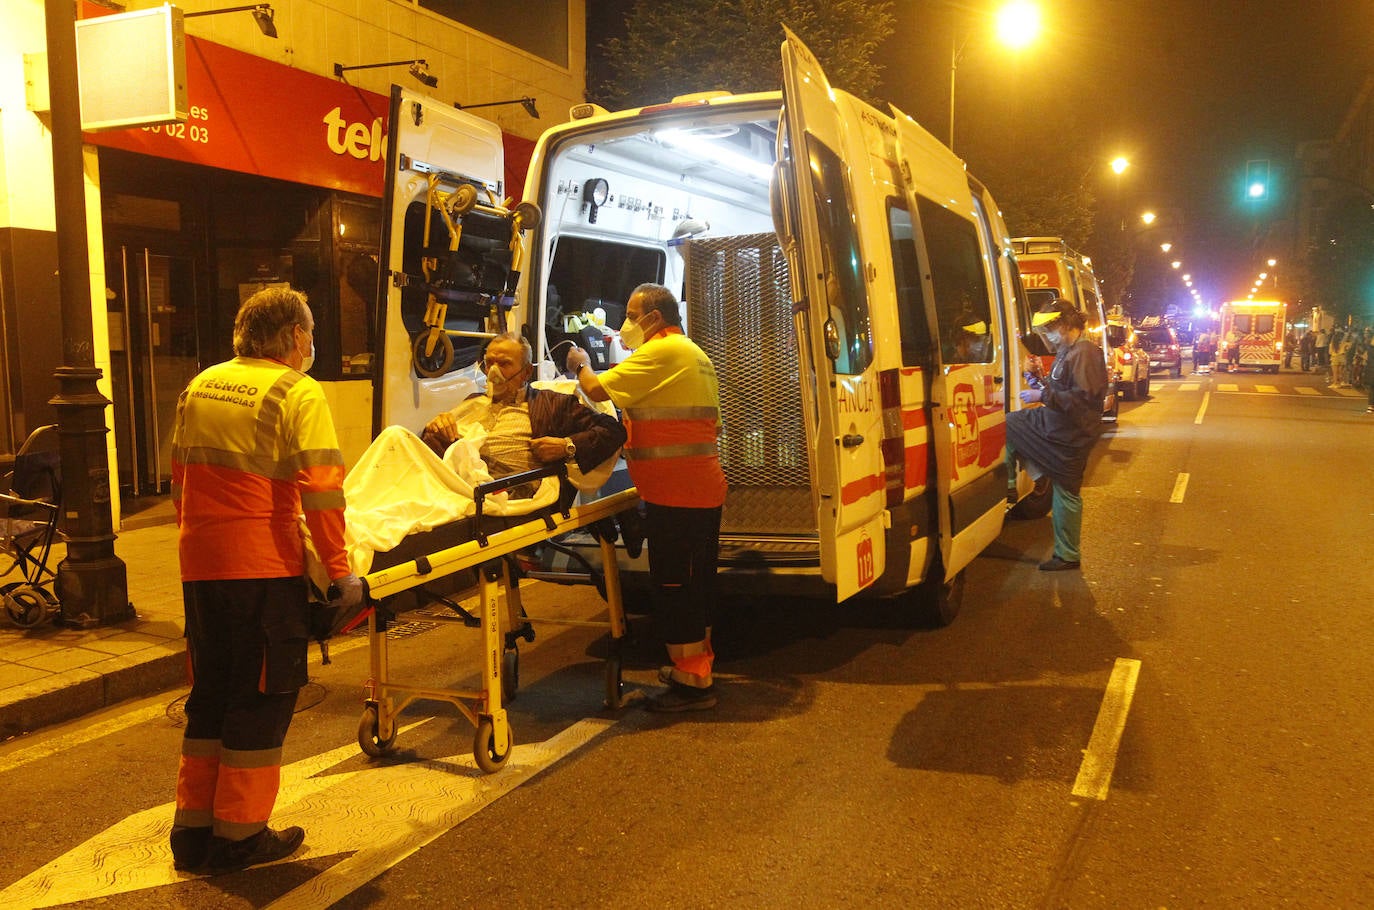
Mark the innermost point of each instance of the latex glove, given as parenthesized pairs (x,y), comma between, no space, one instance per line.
(576,358)
(349,590)
(1030,396)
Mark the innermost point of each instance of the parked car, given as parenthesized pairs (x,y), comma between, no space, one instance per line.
(1161,343)
(1129,364)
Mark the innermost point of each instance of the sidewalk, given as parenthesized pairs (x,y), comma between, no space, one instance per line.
(50,673)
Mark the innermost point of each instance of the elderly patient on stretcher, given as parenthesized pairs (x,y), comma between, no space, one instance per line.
(405,484)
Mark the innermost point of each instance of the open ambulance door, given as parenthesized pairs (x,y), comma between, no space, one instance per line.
(959,253)
(834,332)
(439,162)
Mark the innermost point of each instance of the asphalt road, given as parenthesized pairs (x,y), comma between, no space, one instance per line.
(855,759)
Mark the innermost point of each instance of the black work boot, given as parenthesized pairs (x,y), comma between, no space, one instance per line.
(267,846)
(190,846)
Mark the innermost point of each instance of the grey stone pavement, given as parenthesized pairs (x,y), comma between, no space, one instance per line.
(51,673)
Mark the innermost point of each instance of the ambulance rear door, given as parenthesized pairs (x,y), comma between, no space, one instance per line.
(966,308)
(835,336)
(432,149)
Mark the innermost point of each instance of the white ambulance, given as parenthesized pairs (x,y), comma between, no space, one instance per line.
(854,287)
(1250,335)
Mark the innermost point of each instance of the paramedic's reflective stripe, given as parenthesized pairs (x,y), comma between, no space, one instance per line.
(259,464)
(688,413)
(678,451)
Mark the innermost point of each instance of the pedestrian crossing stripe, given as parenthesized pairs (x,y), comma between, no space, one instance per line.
(1307,390)
(1266,388)
(1227,387)
(1189,386)
(1349,393)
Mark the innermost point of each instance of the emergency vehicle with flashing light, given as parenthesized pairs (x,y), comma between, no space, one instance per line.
(1250,335)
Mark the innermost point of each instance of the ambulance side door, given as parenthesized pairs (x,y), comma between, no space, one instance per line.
(428,140)
(968,388)
(833,329)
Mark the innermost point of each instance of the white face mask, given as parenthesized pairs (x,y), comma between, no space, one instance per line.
(1053,338)
(631,335)
(308,360)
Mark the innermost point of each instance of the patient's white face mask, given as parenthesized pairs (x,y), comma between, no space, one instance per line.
(495,378)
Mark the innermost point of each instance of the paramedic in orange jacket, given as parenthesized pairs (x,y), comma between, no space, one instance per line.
(253,447)
(668,394)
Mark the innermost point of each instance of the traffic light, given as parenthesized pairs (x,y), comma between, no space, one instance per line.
(1257,179)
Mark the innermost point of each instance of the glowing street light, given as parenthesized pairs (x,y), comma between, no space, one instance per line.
(1119,165)
(1166,247)
(1148,218)
(1018,24)
(1175,264)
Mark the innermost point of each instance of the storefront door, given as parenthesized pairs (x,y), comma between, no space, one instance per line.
(151,303)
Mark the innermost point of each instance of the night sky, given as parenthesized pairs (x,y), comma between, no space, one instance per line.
(1189,90)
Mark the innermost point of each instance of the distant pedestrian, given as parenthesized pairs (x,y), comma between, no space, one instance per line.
(1204,348)
(1368,345)
(1322,343)
(1290,341)
(1307,348)
(1340,358)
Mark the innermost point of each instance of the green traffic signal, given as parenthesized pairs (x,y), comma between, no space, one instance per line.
(1257,180)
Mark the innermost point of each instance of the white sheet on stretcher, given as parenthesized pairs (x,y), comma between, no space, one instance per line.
(400,487)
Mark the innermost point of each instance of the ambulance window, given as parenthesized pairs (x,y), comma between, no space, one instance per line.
(841,260)
(959,284)
(1264,323)
(906,274)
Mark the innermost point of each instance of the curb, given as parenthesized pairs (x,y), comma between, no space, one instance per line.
(75,693)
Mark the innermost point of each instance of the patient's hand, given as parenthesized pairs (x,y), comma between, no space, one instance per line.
(444,427)
(549,448)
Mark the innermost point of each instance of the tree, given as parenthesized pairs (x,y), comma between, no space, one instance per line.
(673,49)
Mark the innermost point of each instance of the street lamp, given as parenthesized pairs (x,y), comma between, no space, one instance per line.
(1119,165)
(1018,24)
(1148,218)
(1166,246)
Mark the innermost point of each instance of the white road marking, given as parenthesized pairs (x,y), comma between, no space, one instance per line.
(1206,397)
(1180,487)
(1306,390)
(1189,386)
(1267,388)
(49,747)
(1099,759)
(1227,387)
(1349,393)
(380,815)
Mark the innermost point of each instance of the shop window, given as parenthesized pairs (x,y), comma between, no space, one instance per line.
(357,245)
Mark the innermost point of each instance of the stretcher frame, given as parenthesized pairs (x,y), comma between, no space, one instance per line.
(484,707)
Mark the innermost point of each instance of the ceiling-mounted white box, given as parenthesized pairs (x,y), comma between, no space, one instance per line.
(132,69)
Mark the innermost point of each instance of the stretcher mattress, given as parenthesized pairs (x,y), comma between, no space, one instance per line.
(399,489)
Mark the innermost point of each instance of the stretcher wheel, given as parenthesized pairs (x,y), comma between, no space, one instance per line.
(464,198)
(27,605)
(437,363)
(529,215)
(369,733)
(510,674)
(484,749)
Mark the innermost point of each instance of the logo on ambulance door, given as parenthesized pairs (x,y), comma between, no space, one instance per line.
(964,416)
(863,555)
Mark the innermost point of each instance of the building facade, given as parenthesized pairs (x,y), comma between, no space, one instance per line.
(276,176)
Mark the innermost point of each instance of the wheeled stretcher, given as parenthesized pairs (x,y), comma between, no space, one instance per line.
(479,551)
